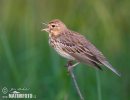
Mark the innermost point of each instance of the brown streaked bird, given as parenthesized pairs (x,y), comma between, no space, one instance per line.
(74,46)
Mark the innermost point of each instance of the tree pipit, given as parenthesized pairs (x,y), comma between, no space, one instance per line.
(74,46)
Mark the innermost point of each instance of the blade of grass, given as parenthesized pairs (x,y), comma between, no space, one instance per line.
(98,86)
(10,57)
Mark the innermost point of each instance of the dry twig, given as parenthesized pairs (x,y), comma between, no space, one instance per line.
(70,69)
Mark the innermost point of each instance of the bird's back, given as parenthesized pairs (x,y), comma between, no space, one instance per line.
(82,50)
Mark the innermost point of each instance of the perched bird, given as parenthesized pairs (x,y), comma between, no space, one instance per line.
(74,46)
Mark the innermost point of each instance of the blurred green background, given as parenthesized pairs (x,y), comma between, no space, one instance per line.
(26,59)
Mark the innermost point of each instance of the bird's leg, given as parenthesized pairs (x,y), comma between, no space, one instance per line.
(72,66)
(69,63)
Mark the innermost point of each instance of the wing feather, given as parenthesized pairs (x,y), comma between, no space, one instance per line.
(73,46)
(80,48)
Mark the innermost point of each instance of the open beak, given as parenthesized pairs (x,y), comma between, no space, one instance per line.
(45,29)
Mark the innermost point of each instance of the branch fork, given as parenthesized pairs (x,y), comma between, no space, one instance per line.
(70,67)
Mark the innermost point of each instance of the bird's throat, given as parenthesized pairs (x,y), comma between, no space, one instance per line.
(54,33)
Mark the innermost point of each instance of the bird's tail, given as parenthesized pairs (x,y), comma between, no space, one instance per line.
(108,65)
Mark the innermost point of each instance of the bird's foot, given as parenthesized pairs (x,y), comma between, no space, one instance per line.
(72,66)
(69,63)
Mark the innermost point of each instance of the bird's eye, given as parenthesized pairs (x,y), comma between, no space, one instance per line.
(53,25)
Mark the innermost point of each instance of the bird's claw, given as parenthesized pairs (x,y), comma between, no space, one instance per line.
(69,63)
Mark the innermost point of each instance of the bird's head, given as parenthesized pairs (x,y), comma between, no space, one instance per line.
(55,27)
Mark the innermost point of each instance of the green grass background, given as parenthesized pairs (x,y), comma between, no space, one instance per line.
(26,60)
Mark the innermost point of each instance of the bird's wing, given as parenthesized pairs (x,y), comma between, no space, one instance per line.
(74,46)
(100,57)
(80,48)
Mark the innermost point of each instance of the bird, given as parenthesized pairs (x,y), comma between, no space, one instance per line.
(75,47)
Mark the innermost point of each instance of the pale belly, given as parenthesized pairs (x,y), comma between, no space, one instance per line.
(64,54)
(60,51)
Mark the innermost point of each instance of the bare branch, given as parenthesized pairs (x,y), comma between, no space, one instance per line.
(70,69)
